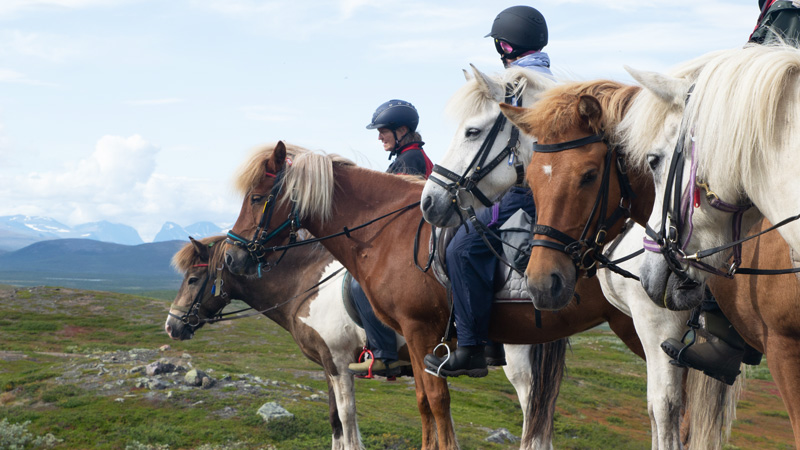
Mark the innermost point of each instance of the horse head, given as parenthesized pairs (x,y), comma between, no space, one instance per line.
(578,180)
(197,300)
(485,157)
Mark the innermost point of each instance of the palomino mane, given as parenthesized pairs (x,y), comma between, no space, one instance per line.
(308,181)
(556,112)
(187,256)
(470,100)
(745,101)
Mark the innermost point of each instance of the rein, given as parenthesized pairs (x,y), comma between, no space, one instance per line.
(468,182)
(586,251)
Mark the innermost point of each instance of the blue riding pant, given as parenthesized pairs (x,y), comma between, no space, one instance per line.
(471,267)
(381,339)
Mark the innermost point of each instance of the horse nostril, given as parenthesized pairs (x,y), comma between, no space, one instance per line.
(556,287)
(228,260)
(426,203)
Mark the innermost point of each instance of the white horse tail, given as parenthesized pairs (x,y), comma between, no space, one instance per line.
(711,408)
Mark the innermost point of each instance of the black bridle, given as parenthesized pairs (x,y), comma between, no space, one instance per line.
(256,247)
(191,314)
(478,168)
(586,251)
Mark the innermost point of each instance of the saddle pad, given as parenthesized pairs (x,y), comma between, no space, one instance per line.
(347,299)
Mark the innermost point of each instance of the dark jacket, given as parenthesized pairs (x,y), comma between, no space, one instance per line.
(411,160)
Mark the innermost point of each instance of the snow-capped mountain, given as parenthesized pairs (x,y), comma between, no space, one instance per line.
(108,232)
(43,227)
(171,231)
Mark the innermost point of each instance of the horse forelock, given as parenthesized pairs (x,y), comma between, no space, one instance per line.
(187,256)
(308,181)
(744,107)
(470,100)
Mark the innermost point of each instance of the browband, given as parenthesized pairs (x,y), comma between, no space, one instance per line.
(561,146)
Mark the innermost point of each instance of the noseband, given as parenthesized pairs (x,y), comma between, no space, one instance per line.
(468,182)
(256,247)
(586,251)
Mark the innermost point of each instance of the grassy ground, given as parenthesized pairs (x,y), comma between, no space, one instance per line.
(49,333)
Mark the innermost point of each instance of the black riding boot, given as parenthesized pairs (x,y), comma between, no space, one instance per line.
(495,354)
(467,360)
(719,358)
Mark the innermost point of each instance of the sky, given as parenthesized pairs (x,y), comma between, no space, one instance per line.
(140,111)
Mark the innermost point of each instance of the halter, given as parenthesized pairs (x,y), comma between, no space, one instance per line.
(468,182)
(586,251)
(256,246)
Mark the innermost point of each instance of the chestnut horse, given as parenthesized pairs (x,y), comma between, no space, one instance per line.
(763,308)
(303,295)
(572,175)
(328,194)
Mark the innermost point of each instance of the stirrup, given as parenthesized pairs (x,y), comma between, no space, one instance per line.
(447,358)
(369,374)
(679,360)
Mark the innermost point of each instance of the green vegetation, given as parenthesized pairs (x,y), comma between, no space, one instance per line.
(55,339)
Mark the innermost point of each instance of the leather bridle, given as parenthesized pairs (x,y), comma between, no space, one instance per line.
(586,251)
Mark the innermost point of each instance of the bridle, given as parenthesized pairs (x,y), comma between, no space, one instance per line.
(191,314)
(478,168)
(256,247)
(586,251)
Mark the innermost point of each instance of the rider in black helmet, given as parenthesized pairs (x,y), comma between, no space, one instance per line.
(396,122)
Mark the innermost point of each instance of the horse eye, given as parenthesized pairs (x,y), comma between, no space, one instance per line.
(652,161)
(472,132)
(588,177)
(256,198)
(192,280)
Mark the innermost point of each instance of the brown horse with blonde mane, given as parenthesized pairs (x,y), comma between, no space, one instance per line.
(327,194)
(762,309)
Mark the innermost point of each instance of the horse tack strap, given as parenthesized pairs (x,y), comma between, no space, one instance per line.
(561,146)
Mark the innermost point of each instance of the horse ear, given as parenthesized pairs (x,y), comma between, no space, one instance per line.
(489,88)
(200,249)
(278,158)
(591,112)
(516,115)
(670,89)
(467,76)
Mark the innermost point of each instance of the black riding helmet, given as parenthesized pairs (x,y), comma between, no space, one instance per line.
(395,114)
(523,27)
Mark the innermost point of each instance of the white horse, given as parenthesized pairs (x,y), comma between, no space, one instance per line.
(319,322)
(739,133)
(477,103)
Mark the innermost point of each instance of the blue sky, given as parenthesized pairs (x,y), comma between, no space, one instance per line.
(140,111)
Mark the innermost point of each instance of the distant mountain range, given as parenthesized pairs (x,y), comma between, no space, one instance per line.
(19,231)
(91,264)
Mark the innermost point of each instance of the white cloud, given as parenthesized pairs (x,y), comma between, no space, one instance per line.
(11,76)
(152,102)
(50,47)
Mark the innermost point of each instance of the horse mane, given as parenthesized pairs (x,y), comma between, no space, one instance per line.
(743,100)
(556,111)
(308,181)
(470,100)
(637,131)
(187,256)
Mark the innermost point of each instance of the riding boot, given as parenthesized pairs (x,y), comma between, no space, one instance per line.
(382,367)
(467,360)
(495,354)
(718,358)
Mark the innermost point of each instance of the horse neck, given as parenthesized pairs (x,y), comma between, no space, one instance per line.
(360,196)
(299,270)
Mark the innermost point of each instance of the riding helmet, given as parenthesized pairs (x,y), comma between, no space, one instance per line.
(395,114)
(523,27)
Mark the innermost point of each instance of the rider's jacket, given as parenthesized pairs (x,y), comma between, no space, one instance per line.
(411,160)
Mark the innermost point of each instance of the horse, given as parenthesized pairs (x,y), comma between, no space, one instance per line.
(477,102)
(330,196)
(763,310)
(312,309)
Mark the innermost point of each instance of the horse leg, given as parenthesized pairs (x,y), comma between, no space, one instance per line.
(519,373)
(341,395)
(783,359)
(433,396)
